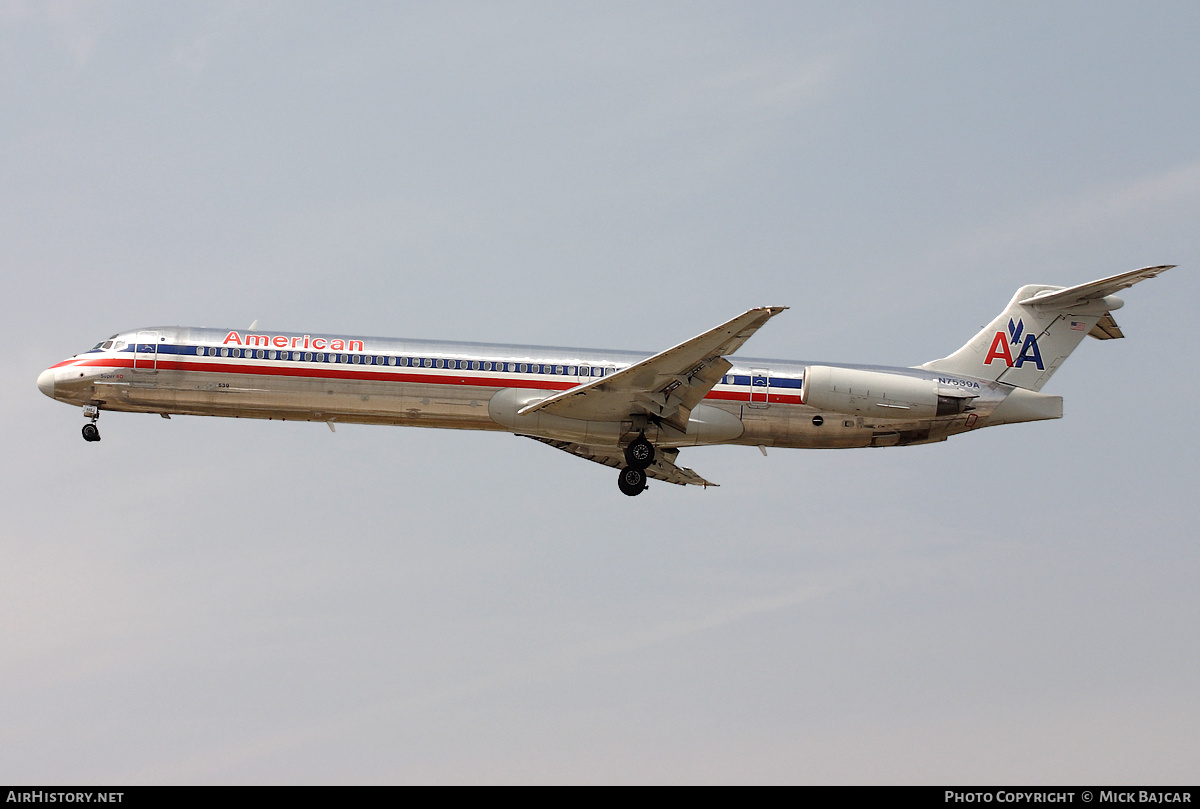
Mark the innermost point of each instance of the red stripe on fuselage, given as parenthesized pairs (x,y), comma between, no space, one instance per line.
(387,376)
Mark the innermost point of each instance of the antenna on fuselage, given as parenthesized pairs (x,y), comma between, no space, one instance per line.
(253,326)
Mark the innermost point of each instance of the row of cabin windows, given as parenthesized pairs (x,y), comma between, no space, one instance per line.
(427,362)
(415,362)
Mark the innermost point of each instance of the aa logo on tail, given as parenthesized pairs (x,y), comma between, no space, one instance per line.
(1029,349)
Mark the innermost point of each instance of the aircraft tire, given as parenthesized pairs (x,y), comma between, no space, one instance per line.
(639,454)
(632,481)
(91,432)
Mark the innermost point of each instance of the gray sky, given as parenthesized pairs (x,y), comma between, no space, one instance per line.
(231,601)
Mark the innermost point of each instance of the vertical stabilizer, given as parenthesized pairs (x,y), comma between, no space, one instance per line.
(1039,329)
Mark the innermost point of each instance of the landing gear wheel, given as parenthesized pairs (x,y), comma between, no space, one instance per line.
(640,453)
(91,432)
(632,481)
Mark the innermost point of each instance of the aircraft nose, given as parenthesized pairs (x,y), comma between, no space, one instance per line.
(46,382)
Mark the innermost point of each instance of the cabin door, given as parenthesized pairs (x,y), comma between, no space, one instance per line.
(760,387)
(145,351)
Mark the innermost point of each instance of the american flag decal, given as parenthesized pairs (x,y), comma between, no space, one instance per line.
(1077,326)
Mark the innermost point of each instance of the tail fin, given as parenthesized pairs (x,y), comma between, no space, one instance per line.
(1040,328)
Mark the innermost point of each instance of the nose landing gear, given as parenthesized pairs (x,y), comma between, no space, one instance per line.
(90,431)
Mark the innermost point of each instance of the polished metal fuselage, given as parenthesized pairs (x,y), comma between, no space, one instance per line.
(420,383)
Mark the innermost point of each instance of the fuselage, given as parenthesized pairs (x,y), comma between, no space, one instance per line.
(627,410)
(420,383)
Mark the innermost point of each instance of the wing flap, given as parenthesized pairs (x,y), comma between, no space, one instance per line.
(666,386)
(663,468)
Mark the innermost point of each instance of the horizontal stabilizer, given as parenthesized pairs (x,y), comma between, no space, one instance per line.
(1093,291)
(1106,329)
(663,468)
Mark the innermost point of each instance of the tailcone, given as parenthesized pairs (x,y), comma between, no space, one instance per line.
(1026,405)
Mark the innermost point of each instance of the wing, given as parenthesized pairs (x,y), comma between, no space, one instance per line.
(663,468)
(666,386)
(1094,290)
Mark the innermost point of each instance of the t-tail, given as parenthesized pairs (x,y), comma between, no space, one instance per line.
(1040,328)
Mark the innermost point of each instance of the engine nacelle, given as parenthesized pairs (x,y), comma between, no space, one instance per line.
(877,394)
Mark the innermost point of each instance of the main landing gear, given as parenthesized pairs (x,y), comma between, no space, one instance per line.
(90,431)
(639,455)
(632,481)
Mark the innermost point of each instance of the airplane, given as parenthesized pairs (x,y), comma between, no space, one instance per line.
(622,409)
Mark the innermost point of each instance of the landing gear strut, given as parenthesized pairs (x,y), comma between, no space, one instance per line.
(632,481)
(90,431)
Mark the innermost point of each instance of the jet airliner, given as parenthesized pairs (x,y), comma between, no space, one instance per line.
(622,409)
